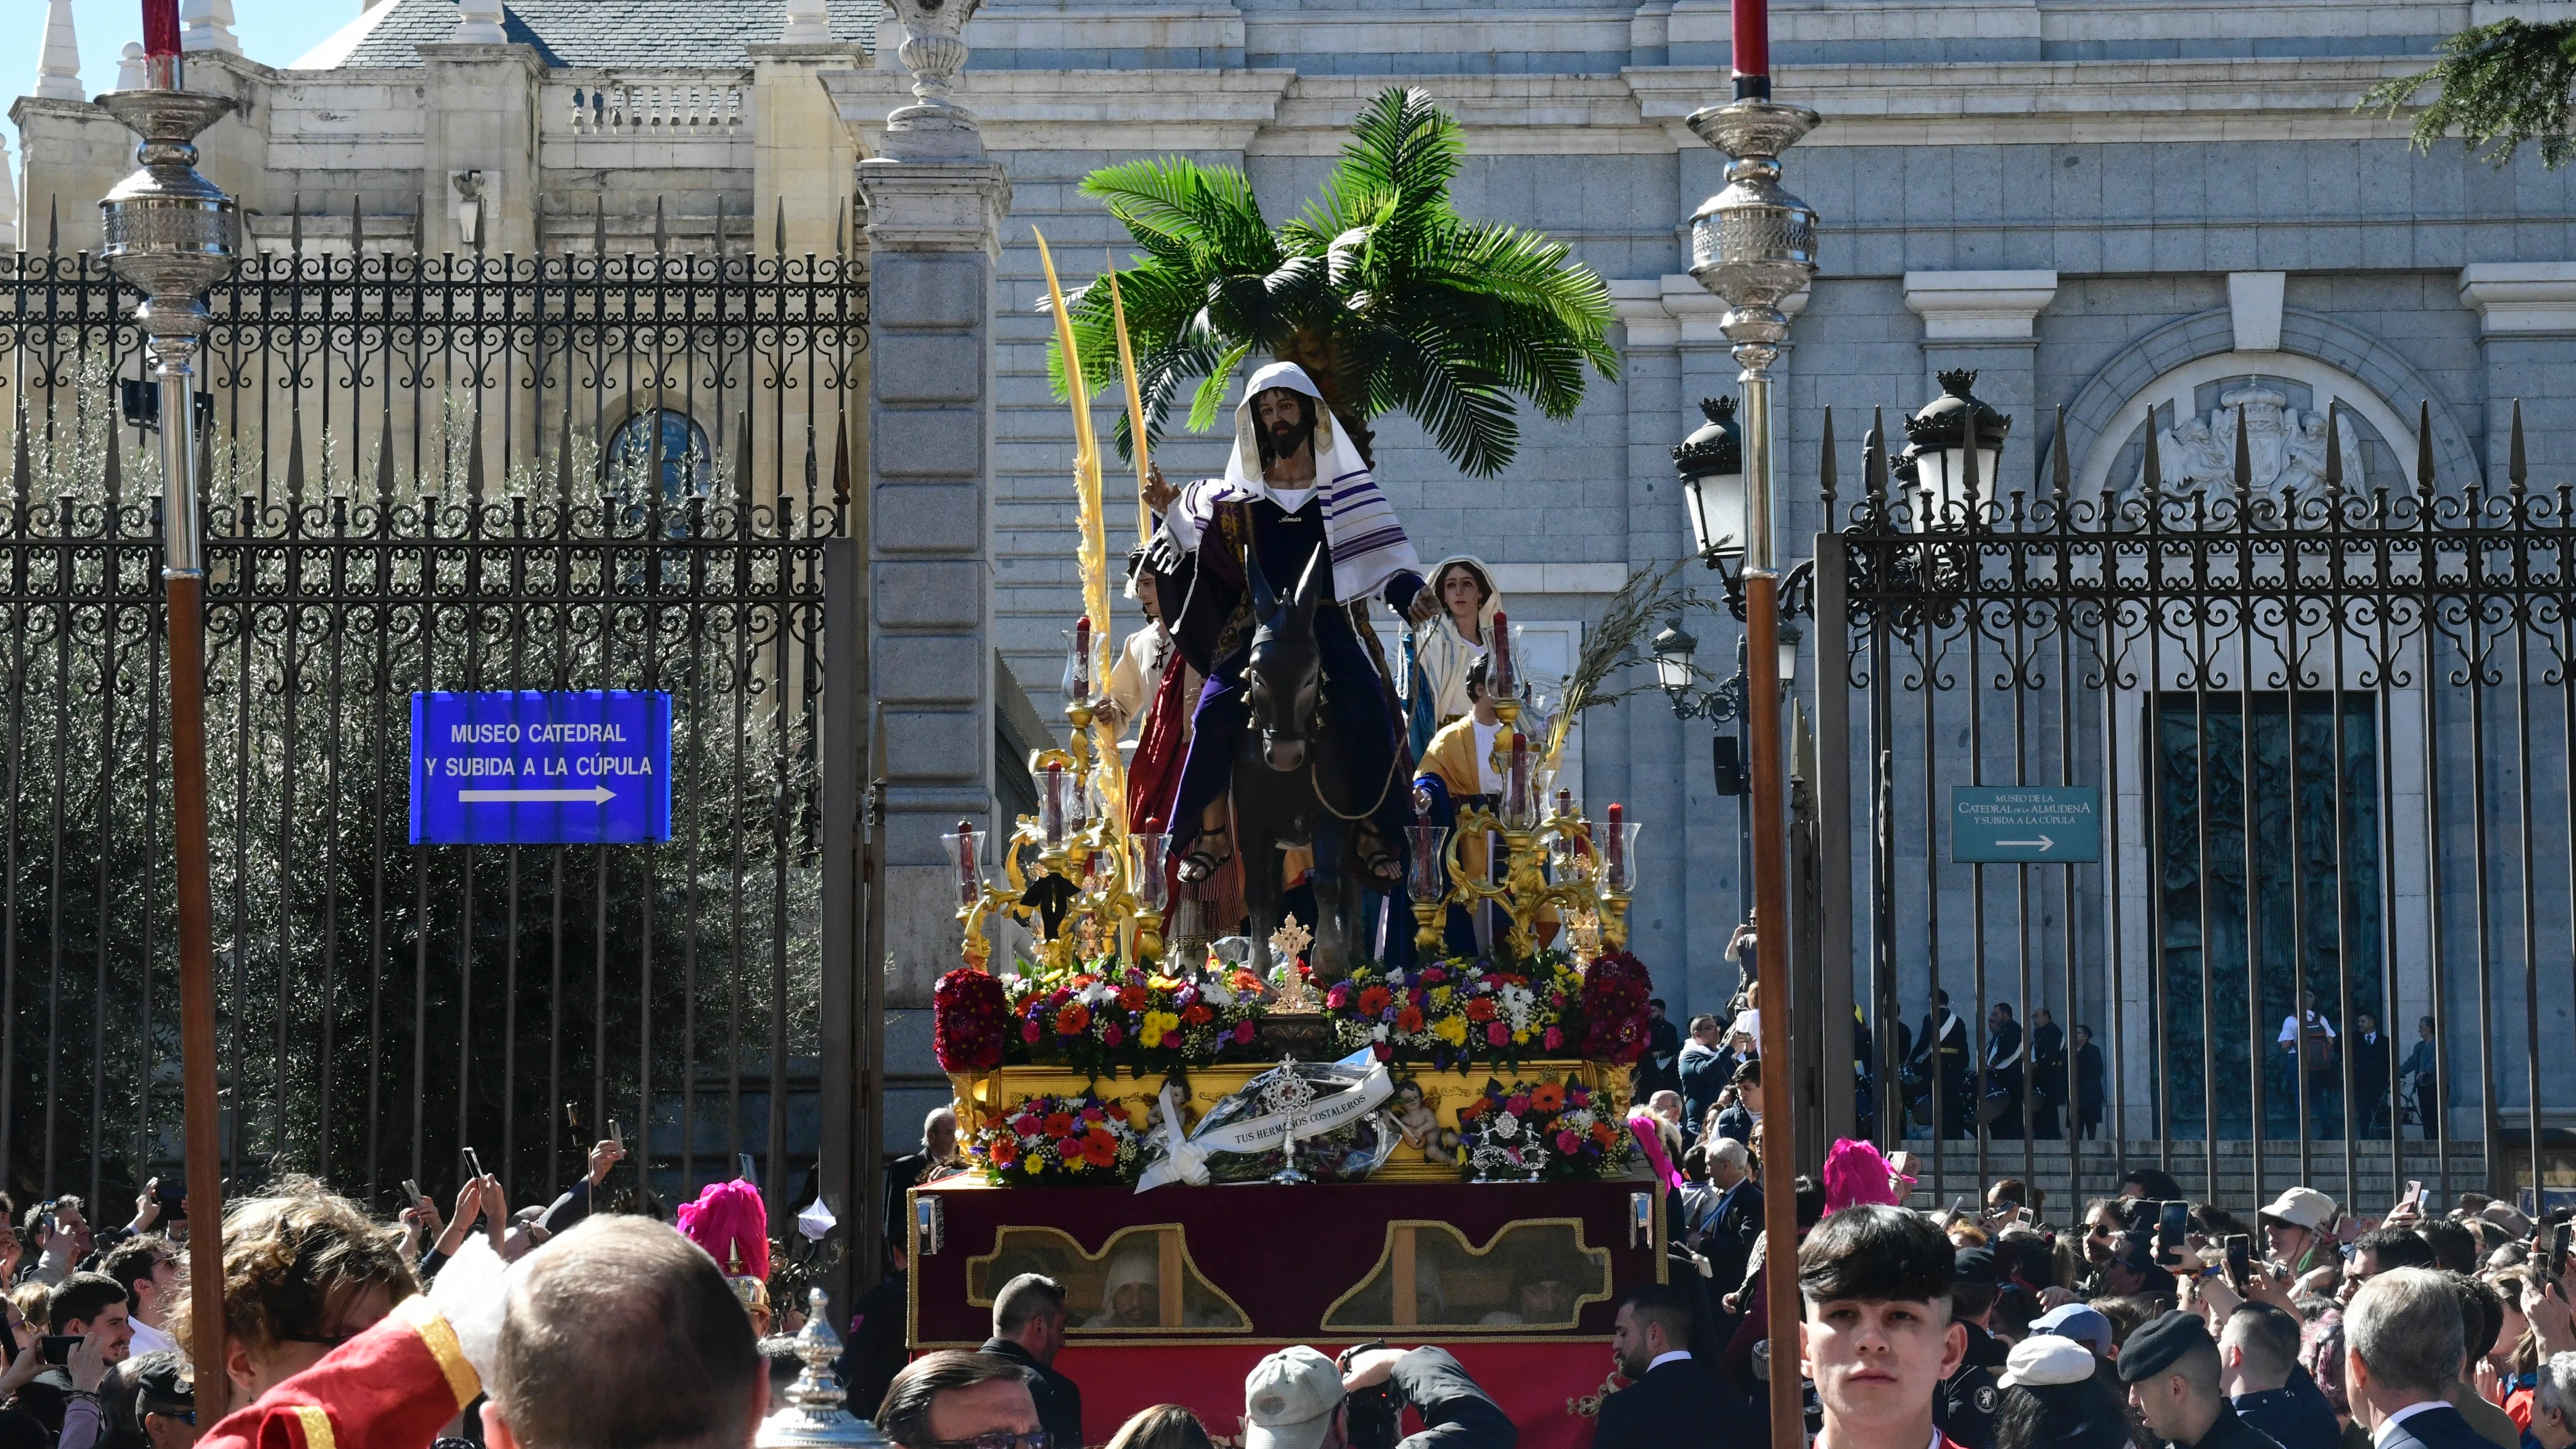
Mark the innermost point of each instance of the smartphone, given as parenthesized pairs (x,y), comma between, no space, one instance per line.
(2558,1250)
(2141,1214)
(57,1347)
(2414,1193)
(411,1194)
(173,1197)
(616,1133)
(473,1164)
(2240,1261)
(2173,1222)
(749,1174)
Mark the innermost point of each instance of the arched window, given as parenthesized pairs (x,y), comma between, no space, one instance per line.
(687,463)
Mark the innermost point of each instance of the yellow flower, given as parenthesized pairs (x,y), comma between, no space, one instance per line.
(1159,1024)
(1163,983)
(1440,996)
(1451,1029)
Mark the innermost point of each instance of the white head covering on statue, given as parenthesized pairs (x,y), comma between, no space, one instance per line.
(1368,545)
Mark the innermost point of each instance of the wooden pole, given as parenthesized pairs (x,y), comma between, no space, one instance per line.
(1771,962)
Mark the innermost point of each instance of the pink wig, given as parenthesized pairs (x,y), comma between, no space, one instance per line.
(1855,1174)
(730,1217)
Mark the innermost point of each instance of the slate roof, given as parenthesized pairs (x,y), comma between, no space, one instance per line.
(656,33)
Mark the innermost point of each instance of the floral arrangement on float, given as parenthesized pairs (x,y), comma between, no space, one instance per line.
(1075,1138)
(1549,1131)
(1457,1012)
(1110,1015)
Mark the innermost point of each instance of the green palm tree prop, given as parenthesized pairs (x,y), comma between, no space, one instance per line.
(1386,296)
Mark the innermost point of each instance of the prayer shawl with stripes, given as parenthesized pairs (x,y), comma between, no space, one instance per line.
(1368,545)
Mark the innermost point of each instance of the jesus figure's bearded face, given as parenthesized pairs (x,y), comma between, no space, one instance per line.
(1287,420)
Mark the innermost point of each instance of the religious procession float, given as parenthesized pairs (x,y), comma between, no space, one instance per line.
(1324,1024)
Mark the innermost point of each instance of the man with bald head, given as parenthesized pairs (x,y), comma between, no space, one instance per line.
(622,1333)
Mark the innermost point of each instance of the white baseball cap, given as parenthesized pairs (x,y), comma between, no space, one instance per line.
(1289,1398)
(2302,1207)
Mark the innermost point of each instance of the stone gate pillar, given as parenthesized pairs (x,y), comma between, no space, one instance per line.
(934,213)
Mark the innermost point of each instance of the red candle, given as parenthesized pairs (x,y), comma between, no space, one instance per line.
(160,27)
(1520,771)
(1051,805)
(1616,847)
(1499,679)
(1752,38)
(970,882)
(1082,656)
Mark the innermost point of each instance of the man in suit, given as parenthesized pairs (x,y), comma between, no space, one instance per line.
(2402,1349)
(1725,1213)
(1704,1069)
(937,1157)
(1736,1121)
(2003,1069)
(2171,1367)
(1672,1400)
(2047,1073)
(1028,1329)
(2373,1063)
(1660,1071)
(2089,1085)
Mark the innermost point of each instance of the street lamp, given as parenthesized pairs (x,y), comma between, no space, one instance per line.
(171,234)
(1953,448)
(1711,464)
(1754,244)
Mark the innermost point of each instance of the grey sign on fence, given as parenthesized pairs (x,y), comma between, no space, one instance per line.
(2009,823)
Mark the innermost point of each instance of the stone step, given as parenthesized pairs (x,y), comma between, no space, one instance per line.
(2371,1189)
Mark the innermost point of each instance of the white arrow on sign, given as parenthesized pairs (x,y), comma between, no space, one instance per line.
(596,795)
(2042,844)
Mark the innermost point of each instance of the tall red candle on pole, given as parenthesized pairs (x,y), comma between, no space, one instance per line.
(161,43)
(1752,50)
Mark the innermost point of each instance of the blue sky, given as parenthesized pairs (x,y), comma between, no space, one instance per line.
(273,32)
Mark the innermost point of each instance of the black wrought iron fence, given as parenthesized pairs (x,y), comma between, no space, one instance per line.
(2327,724)
(569,472)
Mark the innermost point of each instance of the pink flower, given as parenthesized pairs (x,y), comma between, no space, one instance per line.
(1566,1142)
(1553,1039)
(1383,1051)
(1518,1106)
(1093,1113)
(1112,1034)
(1498,1034)
(1339,996)
(1243,1032)
(1029,1030)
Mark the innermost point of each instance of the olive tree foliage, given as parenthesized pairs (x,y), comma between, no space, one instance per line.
(380,1005)
(2498,86)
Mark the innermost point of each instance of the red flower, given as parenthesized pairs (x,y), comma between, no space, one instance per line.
(1132,997)
(1029,1031)
(1470,1111)
(1006,1150)
(1112,1034)
(1197,1015)
(1073,1020)
(1059,1123)
(1374,999)
(1481,1008)
(1243,1032)
(1409,1019)
(1497,1034)
(1547,1096)
(1382,1051)
(1100,1147)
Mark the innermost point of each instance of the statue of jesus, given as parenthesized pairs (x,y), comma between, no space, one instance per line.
(1294,485)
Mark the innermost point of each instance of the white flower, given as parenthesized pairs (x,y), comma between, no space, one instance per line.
(1578,1120)
(1378,1032)
(1214,993)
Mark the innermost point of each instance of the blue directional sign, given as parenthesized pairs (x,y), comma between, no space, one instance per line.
(2042,823)
(540,767)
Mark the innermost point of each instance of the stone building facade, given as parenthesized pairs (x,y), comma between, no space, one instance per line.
(2133,211)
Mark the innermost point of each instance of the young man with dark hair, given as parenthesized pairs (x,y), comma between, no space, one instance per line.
(1877,1339)
(149,1273)
(2258,1354)
(1028,1329)
(2172,1369)
(951,1397)
(91,1307)
(1672,1399)
(1737,1120)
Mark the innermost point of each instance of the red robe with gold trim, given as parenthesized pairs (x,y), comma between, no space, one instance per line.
(392,1387)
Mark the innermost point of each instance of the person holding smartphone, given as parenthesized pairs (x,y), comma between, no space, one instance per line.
(92,1331)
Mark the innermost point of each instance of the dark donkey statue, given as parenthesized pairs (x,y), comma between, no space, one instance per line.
(1287,758)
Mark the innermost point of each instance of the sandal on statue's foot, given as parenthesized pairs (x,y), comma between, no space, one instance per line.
(1201,863)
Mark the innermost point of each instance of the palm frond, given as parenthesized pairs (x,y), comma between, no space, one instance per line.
(1211,394)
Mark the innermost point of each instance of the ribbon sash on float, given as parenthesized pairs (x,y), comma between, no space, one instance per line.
(1368,1084)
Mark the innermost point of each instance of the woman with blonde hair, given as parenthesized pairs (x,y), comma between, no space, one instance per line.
(1164,1426)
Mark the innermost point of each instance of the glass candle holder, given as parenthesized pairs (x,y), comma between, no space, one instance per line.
(1426,875)
(966,862)
(1055,802)
(1153,888)
(1520,806)
(1076,684)
(1617,841)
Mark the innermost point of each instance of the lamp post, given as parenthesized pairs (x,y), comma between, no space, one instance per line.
(1754,244)
(1952,449)
(171,234)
